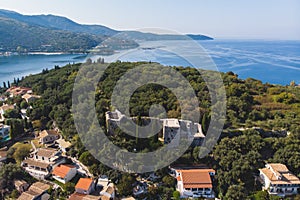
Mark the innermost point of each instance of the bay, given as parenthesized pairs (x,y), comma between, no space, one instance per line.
(276,62)
(18,66)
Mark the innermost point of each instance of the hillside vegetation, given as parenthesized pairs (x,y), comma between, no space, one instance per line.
(262,123)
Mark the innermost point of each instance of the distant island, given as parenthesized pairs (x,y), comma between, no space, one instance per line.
(22,34)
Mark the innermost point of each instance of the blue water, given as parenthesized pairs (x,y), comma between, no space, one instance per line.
(18,66)
(276,62)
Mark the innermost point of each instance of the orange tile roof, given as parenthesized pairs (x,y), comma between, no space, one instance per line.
(84,183)
(196,178)
(62,170)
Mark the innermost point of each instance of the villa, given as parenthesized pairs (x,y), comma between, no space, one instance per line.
(195,183)
(64,173)
(85,186)
(17,91)
(47,155)
(48,136)
(278,180)
(37,169)
(42,162)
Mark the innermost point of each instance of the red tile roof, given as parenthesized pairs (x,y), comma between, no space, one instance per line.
(84,183)
(196,178)
(62,170)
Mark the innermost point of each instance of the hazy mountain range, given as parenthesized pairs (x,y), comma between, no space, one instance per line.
(27,33)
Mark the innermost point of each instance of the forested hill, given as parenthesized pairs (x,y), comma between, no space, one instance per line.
(249,102)
(50,33)
(59,23)
(20,37)
(240,152)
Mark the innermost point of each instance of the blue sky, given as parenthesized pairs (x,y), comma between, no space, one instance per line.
(234,19)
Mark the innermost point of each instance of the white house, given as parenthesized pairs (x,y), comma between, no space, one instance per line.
(42,162)
(48,136)
(85,186)
(195,183)
(47,155)
(37,169)
(64,173)
(278,180)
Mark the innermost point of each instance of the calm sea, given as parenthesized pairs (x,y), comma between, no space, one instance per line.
(275,62)
(20,66)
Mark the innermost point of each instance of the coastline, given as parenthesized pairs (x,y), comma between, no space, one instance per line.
(271,62)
